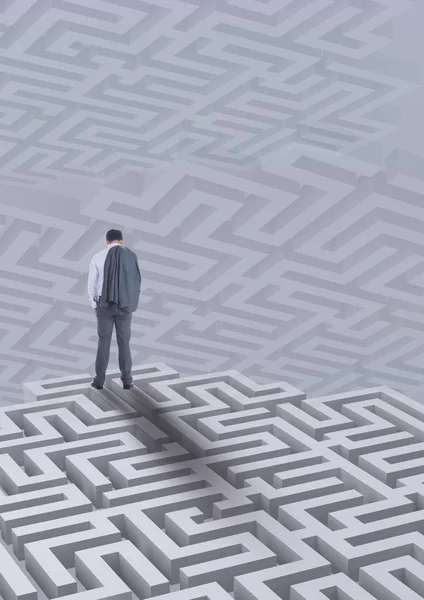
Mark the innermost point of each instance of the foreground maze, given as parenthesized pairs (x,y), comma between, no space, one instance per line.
(210,487)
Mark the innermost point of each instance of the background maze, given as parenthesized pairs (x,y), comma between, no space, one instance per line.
(263,158)
(93,87)
(210,487)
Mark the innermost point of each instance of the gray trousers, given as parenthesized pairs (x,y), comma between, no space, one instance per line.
(106,318)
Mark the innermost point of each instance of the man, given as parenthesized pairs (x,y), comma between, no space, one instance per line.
(114,283)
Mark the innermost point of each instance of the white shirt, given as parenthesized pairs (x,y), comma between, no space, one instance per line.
(95,274)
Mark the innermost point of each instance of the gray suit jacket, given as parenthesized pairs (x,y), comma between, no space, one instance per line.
(121,279)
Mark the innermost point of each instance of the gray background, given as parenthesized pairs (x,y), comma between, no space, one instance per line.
(263,158)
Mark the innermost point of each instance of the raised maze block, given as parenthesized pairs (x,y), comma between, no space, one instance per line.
(210,487)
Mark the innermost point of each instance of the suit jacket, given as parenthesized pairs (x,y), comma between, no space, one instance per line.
(121,279)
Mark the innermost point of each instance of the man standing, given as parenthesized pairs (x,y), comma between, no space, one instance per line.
(114,283)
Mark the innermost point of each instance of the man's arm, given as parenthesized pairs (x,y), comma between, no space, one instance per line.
(93,276)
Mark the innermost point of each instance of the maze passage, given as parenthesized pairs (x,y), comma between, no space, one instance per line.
(187,488)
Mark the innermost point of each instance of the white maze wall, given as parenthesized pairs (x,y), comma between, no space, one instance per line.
(210,487)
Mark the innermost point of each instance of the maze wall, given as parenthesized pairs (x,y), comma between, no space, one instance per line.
(210,487)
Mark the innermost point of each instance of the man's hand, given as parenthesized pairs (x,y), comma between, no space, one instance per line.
(93,304)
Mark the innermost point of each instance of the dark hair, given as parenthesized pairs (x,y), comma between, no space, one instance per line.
(114,234)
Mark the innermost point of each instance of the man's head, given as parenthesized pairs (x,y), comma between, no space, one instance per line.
(114,235)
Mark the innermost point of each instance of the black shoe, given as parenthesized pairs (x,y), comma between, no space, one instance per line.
(128,386)
(95,386)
